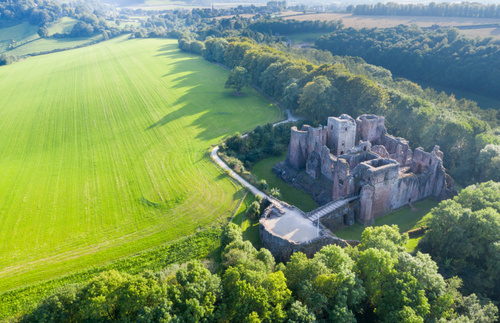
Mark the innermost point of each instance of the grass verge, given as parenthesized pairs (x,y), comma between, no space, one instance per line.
(405,218)
(264,170)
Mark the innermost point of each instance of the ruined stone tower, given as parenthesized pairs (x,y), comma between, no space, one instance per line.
(341,134)
(359,158)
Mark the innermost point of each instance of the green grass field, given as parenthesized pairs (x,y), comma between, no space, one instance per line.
(264,170)
(405,218)
(104,153)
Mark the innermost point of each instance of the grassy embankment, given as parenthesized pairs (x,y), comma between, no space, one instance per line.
(104,154)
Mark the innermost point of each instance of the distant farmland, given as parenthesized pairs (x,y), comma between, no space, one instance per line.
(359,22)
(103,154)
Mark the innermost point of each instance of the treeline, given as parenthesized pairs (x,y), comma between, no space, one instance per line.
(286,27)
(375,281)
(425,118)
(444,9)
(441,57)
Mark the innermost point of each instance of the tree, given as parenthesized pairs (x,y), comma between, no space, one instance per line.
(43,32)
(317,99)
(238,78)
(464,238)
(488,164)
(254,210)
(6,60)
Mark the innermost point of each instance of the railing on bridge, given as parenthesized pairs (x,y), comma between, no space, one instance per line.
(349,197)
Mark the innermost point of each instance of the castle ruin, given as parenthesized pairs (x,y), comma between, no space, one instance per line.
(357,162)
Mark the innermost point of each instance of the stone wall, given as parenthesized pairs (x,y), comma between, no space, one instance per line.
(398,149)
(341,134)
(341,217)
(282,249)
(302,143)
(370,127)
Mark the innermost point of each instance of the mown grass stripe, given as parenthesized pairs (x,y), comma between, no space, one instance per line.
(103,154)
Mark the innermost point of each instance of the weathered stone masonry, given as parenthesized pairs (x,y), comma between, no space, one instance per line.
(357,158)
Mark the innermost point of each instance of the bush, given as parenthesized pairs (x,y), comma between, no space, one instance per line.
(263,185)
(275,192)
(254,211)
(6,60)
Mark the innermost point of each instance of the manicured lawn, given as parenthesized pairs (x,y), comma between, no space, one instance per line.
(264,170)
(103,152)
(405,219)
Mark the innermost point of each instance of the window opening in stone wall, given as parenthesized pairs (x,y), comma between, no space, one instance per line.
(346,219)
(364,148)
(341,152)
(430,161)
(346,129)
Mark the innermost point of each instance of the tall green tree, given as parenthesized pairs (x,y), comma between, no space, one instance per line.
(238,78)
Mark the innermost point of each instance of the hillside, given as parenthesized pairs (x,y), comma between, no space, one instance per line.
(104,154)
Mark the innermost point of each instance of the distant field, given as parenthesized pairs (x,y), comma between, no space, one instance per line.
(64,25)
(172,4)
(21,32)
(359,22)
(32,43)
(49,44)
(103,152)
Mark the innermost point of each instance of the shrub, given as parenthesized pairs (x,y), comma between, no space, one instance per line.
(254,211)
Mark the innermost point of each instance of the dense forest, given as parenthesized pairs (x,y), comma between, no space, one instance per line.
(441,57)
(444,9)
(315,91)
(375,281)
